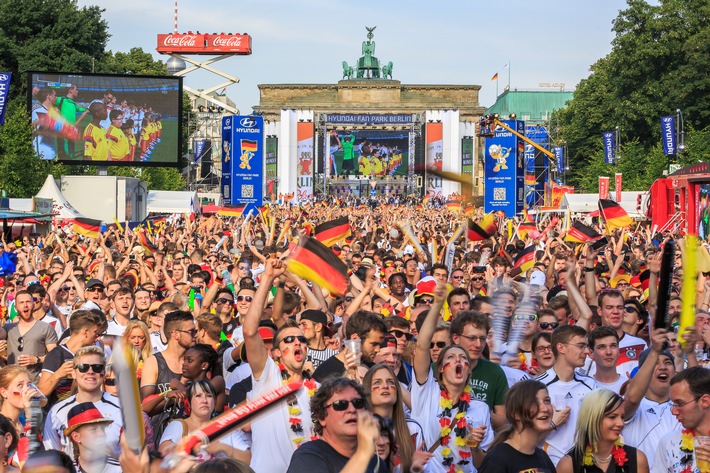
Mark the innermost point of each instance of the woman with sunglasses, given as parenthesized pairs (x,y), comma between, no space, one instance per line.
(201,399)
(598,445)
(528,410)
(385,396)
(457,427)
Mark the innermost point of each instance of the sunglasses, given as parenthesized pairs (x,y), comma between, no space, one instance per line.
(66,288)
(425,301)
(549,325)
(243,268)
(95,289)
(400,334)
(293,338)
(478,279)
(97,368)
(349,298)
(110,382)
(341,405)
(630,310)
(528,317)
(21,341)
(244,298)
(437,345)
(223,300)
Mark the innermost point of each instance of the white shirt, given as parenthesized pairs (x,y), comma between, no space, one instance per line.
(176,430)
(272,437)
(651,421)
(56,422)
(564,394)
(669,455)
(615,386)
(156,342)
(426,411)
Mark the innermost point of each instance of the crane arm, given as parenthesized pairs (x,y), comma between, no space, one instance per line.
(527,140)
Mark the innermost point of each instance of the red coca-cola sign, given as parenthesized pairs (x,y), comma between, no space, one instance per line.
(229,43)
(178,42)
(192,43)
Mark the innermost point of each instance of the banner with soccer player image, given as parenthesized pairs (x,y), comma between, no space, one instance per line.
(372,153)
(434,157)
(106,119)
(304,174)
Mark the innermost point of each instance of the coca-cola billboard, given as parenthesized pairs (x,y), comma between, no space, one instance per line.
(178,42)
(192,43)
(228,43)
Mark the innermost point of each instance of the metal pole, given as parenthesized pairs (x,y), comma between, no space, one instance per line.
(617,144)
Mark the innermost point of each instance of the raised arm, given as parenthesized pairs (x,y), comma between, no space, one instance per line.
(255,348)
(422,358)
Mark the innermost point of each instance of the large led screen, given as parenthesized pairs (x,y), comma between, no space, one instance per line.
(106,119)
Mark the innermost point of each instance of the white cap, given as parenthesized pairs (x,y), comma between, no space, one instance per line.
(537,278)
(408,250)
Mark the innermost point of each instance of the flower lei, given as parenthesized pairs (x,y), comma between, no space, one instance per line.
(686,446)
(458,425)
(618,453)
(294,410)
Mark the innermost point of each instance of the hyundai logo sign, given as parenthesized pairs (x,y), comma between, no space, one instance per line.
(247,122)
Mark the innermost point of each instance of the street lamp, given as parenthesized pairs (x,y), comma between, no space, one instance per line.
(680,132)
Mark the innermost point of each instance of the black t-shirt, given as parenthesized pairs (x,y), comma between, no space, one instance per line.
(317,456)
(238,392)
(331,366)
(505,459)
(52,362)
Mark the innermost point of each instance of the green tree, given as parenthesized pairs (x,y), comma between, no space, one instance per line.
(136,62)
(658,63)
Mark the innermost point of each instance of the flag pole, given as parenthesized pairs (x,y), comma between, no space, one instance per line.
(508,75)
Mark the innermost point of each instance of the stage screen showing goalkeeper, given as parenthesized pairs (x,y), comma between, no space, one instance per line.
(378,153)
(106,119)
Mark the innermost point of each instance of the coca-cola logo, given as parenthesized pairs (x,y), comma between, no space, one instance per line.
(229,41)
(185,40)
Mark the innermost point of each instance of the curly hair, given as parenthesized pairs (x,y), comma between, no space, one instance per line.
(319,401)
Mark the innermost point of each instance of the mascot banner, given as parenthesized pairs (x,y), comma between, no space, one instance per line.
(504,170)
(304,173)
(243,161)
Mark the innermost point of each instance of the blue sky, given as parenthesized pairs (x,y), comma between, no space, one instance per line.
(444,42)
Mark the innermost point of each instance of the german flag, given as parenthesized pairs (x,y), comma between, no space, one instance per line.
(483,230)
(453,205)
(249,145)
(614,215)
(419,207)
(470,210)
(425,199)
(235,211)
(525,259)
(145,242)
(581,233)
(331,232)
(525,228)
(315,262)
(308,228)
(88,227)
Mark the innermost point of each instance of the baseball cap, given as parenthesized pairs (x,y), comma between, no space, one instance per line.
(408,250)
(538,278)
(315,316)
(94,283)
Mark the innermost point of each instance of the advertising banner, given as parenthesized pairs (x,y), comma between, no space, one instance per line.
(4,90)
(271,158)
(369,119)
(434,157)
(248,162)
(199,150)
(226,187)
(504,171)
(603,187)
(617,186)
(304,174)
(42,206)
(560,158)
(609,147)
(667,131)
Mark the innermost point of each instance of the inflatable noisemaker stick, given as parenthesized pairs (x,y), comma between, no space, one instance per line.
(287,225)
(227,422)
(525,311)
(664,285)
(128,393)
(272,230)
(500,326)
(690,280)
(409,234)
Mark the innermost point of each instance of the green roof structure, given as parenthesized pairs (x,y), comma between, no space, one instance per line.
(532,106)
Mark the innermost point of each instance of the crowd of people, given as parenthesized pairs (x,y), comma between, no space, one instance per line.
(441,355)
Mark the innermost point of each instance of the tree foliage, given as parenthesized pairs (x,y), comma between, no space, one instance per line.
(658,63)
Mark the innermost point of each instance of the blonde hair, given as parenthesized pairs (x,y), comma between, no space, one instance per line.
(595,406)
(90,350)
(147,349)
(8,374)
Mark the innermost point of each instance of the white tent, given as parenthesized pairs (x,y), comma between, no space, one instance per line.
(172,202)
(585,203)
(61,207)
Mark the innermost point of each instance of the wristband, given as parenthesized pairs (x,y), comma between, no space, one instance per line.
(554,426)
(588,270)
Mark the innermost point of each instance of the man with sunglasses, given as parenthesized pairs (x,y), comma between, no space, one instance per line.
(347,432)
(28,339)
(273,438)
(89,370)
